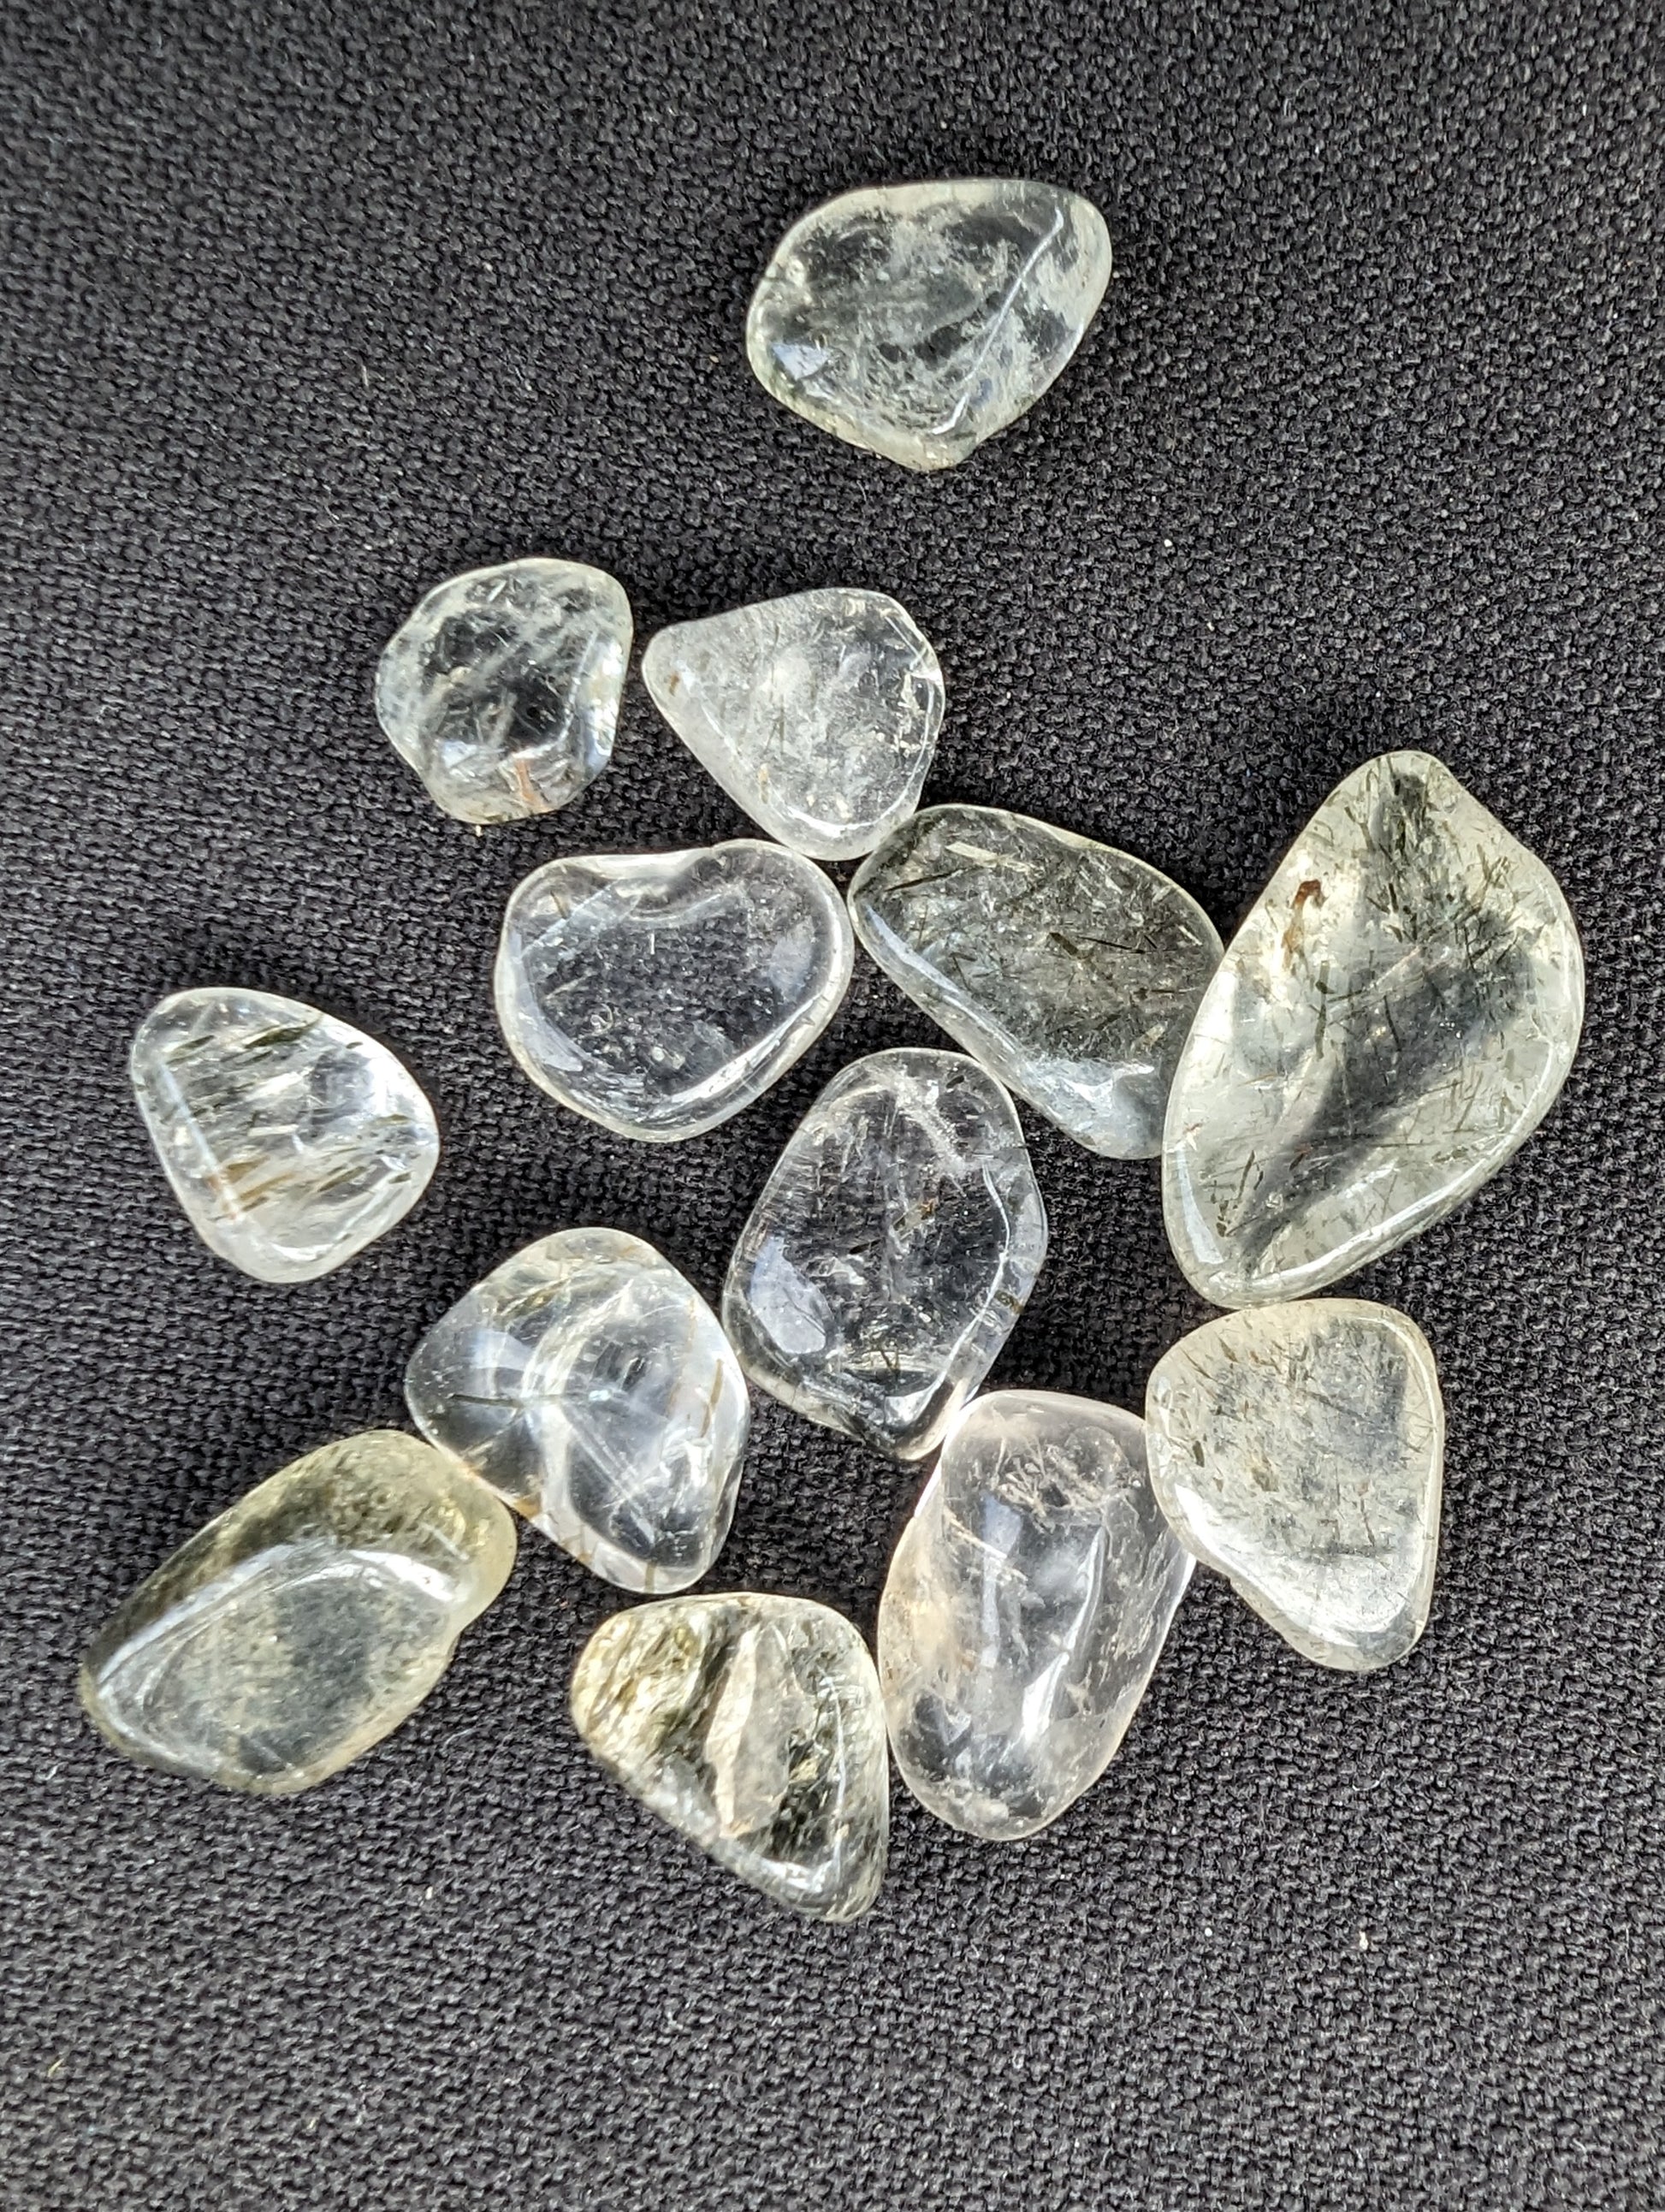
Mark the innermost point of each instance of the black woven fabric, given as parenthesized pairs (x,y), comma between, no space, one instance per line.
(307,306)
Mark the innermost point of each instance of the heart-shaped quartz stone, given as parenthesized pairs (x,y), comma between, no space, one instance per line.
(661,992)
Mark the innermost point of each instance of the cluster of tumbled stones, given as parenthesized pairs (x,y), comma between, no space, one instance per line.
(1392,1020)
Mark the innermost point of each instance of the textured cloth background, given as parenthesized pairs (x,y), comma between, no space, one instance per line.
(306,307)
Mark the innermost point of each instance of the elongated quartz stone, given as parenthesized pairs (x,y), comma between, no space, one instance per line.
(1298,1449)
(751,1725)
(817,713)
(291,1140)
(589,1383)
(661,992)
(304,1623)
(1391,1023)
(890,1251)
(1072,971)
(1026,1607)
(501,690)
(916,320)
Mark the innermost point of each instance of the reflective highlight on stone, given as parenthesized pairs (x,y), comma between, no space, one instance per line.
(291,1140)
(1070,969)
(751,1725)
(1026,1607)
(661,992)
(1391,1023)
(589,1383)
(916,320)
(818,713)
(501,690)
(303,1626)
(890,1251)
(1298,1449)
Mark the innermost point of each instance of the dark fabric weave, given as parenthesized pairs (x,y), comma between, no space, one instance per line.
(306,306)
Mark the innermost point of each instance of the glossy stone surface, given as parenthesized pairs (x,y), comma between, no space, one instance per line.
(291,1138)
(1026,1606)
(501,690)
(817,713)
(753,1726)
(659,992)
(1298,1449)
(301,1626)
(589,1383)
(916,320)
(1391,1023)
(1070,969)
(890,1251)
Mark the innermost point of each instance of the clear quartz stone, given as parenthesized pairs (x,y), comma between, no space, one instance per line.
(589,1383)
(1297,1450)
(1391,1023)
(501,690)
(305,1623)
(751,1725)
(916,320)
(1070,969)
(890,1251)
(661,992)
(817,713)
(290,1139)
(1025,1609)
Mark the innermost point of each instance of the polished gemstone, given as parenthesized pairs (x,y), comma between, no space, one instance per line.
(659,992)
(1298,1449)
(818,714)
(890,1251)
(918,320)
(290,1139)
(1070,969)
(1026,1606)
(753,1726)
(589,1383)
(503,689)
(304,1623)
(1391,1023)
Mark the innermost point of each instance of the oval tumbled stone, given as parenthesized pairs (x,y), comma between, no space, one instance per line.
(290,1139)
(890,1251)
(751,1725)
(1298,1450)
(589,1383)
(916,320)
(817,713)
(661,992)
(301,1626)
(1025,1608)
(501,690)
(1070,969)
(1391,1023)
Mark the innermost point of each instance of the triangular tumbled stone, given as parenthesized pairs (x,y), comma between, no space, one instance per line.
(1298,1449)
(917,320)
(1392,1021)
(753,1726)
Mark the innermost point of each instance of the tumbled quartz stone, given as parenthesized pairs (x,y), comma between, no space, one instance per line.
(1391,1023)
(501,690)
(1070,969)
(661,992)
(751,1725)
(1026,1606)
(589,1383)
(916,320)
(818,713)
(291,1140)
(890,1251)
(303,1626)
(1298,1449)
